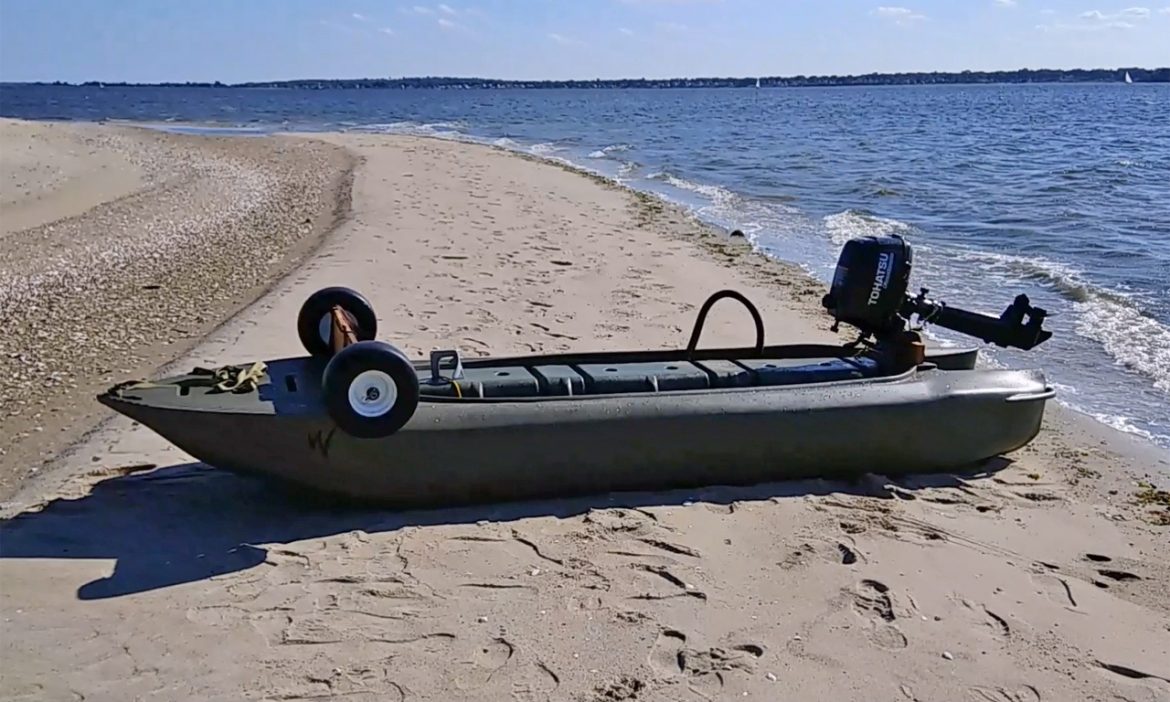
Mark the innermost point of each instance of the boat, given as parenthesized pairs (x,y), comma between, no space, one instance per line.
(1128,79)
(356,418)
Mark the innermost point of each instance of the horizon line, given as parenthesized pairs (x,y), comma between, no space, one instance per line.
(480,79)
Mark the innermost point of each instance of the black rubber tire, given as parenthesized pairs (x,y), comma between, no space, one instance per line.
(318,305)
(344,368)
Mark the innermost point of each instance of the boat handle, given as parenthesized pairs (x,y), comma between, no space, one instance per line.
(437,357)
(1047,393)
(702,319)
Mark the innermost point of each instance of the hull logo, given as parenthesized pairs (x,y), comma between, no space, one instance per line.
(319,441)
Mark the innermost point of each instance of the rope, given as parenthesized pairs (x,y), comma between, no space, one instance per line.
(235,379)
(238,379)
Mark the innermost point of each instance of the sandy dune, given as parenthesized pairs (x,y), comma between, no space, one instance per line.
(130,572)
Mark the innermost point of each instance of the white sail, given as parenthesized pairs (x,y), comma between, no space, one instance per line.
(1127,78)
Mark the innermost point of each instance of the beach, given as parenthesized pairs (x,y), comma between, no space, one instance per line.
(129,571)
(122,247)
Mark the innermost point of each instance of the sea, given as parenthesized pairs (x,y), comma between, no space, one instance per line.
(1059,191)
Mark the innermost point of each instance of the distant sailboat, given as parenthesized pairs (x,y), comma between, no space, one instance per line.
(758,81)
(1127,78)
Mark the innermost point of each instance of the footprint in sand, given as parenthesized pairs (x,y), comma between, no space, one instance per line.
(872,601)
(996,626)
(666,656)
(1056,588)
(1027,693)
(871,598)
(537,683)
(485,661)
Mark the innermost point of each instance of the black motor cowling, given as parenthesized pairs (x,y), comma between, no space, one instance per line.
(870,283)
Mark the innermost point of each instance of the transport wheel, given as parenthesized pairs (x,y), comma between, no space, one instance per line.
(314,321)
(371,389)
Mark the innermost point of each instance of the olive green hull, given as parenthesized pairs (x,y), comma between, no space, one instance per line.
(465,450)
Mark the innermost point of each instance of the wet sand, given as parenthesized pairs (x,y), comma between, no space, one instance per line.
(131,572)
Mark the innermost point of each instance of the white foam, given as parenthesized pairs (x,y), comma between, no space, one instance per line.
(1118,422)
(1114,318)
(609,150)
(717,194)
(850,224)
(1065,279)
(1133,339)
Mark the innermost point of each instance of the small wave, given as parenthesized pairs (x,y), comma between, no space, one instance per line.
(544,148)
(849,224)
(1116,421)
(1135,340)
(456,126)
(1063,278)
(714,192)
(504,142)
(441,130)
(609,151)
(627,169)
(385,126)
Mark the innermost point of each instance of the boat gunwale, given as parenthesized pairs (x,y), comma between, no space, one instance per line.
(114,393)
(529,399)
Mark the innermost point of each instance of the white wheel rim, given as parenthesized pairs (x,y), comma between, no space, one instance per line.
(372,393)
(325,328)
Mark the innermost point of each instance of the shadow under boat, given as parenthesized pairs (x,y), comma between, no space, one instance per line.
(189,523)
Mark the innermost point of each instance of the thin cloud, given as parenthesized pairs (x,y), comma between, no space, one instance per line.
(387,31)
(671,27)
(1006,3)
(564,40)
(1130,13)
(447,10)
(360,17)
(1098,21)
(899,15)
(418,10)
(447,24)
(628,32)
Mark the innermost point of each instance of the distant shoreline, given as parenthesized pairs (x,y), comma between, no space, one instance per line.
(1097,75)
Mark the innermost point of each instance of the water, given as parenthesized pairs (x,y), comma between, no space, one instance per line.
(1058,191)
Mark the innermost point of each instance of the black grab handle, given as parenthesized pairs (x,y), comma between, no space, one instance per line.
(698,330)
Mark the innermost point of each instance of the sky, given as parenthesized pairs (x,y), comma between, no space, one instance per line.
(246,40)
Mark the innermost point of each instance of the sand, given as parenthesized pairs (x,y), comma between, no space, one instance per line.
(129,571)
(120,248)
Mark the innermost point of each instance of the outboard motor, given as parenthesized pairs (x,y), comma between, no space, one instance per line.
(870,283)
(869,292)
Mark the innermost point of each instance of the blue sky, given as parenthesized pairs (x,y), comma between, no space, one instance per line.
(239,40)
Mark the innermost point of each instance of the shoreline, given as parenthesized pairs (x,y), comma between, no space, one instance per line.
(1039,574)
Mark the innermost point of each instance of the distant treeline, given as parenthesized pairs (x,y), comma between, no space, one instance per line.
(1097,75)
